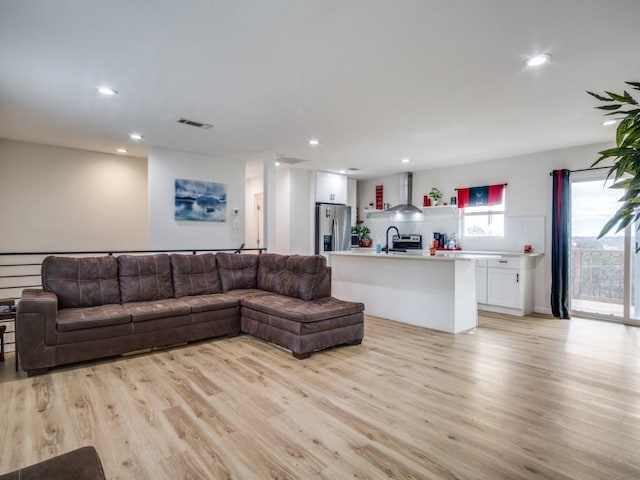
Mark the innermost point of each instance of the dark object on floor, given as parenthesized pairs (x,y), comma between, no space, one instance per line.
(3,328)
(80,464)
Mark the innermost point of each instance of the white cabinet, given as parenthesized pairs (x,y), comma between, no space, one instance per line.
(331,188)
(505,285)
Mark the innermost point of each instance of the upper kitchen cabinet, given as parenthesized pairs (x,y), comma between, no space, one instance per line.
(331,188)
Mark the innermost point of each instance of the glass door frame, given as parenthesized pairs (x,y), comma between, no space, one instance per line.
(628,257)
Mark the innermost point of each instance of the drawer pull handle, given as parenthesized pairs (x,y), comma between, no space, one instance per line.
(503,261)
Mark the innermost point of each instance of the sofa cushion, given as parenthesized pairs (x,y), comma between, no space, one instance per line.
(271,268)
(207,303)
(195,274)
(70,319)
(241,293)
(82,282)
(237,271)
(152,310)
(145,278)
(302,311)
(306,277)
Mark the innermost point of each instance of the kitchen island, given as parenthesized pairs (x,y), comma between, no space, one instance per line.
(437,292)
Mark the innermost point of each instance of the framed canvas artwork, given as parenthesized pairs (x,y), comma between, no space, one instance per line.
(200,201)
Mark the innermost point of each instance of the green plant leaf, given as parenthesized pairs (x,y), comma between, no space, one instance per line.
(616,97)
(630,113)
(629,99)
(609,107)
(599,97)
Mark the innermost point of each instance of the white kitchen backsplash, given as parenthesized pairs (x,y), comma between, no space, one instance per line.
(519,231)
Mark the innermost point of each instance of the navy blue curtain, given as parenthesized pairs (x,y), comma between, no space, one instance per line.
(560,238)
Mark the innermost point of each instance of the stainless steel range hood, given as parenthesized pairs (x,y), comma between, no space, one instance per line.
(406,191)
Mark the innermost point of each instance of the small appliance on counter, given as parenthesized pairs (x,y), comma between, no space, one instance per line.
(442,241)
(355,239)
(406,241)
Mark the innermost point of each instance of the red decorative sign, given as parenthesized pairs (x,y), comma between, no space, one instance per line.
(379,197)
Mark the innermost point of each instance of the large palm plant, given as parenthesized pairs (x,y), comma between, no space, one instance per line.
(626,155)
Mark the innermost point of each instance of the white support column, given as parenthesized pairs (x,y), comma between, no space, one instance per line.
(270,211)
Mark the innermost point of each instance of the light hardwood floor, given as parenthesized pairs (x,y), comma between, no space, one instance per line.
(514,399)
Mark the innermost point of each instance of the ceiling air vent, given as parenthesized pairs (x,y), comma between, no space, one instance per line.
(282,158)
(192,123)
(353,169)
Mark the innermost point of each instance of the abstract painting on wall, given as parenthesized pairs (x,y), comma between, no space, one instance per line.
(200,201)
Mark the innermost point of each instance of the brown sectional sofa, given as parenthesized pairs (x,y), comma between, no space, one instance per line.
(102,306)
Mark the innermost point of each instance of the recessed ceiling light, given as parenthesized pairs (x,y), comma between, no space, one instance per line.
(314,142)
(606,123)
(405,160)
(122,150)
(135,136)
(538,60)
(277,164)
(107,90)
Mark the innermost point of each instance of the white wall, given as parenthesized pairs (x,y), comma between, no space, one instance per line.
(63,199)
(528,202)
(283,207)
(301,224)
(165,232)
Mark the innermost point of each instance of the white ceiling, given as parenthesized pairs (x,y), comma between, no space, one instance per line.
(438,81)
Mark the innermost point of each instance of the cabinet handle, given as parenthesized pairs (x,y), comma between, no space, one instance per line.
(503,261)
(517,278)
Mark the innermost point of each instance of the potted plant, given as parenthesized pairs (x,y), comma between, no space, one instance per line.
(436,195)
(364,235)
(625,156)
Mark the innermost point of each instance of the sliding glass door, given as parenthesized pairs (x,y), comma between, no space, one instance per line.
(603,270)
(634,273)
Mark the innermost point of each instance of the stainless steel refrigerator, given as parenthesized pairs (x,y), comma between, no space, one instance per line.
(333,227)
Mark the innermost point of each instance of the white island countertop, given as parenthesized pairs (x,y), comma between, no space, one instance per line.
(414,287)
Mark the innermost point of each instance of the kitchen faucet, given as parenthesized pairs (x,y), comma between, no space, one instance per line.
(387,248)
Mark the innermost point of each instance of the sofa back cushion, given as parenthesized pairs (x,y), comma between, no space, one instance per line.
(195,274)
(237,271)
(307,277)
(271,268)
(81,282)
(146,277)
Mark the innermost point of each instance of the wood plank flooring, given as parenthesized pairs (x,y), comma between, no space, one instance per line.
(528,398)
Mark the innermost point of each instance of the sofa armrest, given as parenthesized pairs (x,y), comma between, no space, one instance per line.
(36,329)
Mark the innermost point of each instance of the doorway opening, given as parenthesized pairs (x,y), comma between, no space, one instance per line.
(258,214)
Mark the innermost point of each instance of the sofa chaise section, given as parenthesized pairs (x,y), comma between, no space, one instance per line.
(303,326)
(301,315)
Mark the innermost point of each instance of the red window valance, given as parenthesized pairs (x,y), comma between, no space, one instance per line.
(486,196)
